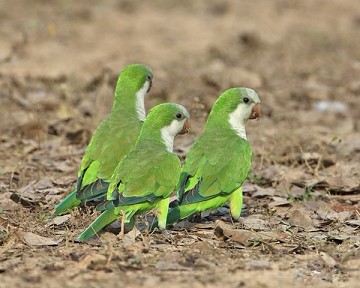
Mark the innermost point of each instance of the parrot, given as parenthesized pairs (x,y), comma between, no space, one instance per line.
(220,159)
(146,177)
(113,139)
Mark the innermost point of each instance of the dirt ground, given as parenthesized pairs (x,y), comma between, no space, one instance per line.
(59,61)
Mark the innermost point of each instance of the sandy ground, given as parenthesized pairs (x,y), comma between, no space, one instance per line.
(59,61)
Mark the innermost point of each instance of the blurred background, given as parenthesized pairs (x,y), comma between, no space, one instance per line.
(59,62)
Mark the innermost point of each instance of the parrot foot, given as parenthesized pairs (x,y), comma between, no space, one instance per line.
(122,231)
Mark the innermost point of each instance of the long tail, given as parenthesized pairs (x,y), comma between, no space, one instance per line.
(100,222)
(68,203)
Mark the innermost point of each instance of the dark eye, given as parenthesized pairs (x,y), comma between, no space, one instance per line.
(149,77)
(178,116)
(246,100)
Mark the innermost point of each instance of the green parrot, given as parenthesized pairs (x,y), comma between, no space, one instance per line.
(219,161)
(113,139)
(147,176)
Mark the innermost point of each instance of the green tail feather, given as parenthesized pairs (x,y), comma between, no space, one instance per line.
(68,203)
(100,222)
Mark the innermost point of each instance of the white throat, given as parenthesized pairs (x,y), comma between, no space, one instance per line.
(140,98)
(168,133)
(238,118)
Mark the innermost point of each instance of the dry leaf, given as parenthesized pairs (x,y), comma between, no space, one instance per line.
(301,219)
(245,237)
(283,202)
(263,192)
(353,222)
(59,220)
(37,240)
(130,237)
(253,222)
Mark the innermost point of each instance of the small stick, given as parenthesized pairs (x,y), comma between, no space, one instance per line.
(122,231)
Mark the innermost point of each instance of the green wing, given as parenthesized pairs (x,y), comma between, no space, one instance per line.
(109,145)
(215,166)
(112,140)
(146,174)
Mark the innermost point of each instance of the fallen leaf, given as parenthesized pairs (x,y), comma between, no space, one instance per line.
(353,222)
(33,193)
(242,236)
(43,184)
(273,173)
(332,215)
(339,238)
(130,237)
(256,223)
(300,219)
(17,198)
(341,208)
(249,188)
(7,203)
(58,220)
(263,192)
(283,202)
(37,240)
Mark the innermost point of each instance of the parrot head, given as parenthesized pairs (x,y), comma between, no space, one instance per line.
(134,82)
(138,76)
(173,117)
(249,103)
(169,119)
(235,106)
(241,103)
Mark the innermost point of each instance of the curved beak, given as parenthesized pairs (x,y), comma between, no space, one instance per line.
(255,112)
(186,128)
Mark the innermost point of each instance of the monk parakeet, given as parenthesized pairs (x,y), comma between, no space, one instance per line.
(147,176)
(219,161)
(113,139)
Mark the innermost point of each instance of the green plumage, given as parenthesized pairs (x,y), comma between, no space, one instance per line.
(147,176)
(219,161)
(113,139)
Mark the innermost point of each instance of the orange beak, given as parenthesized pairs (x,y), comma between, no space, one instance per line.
(255,112)
(186,127)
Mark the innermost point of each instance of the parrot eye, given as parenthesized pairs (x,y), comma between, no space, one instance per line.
(246,100)
(178,115)
(148,77)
